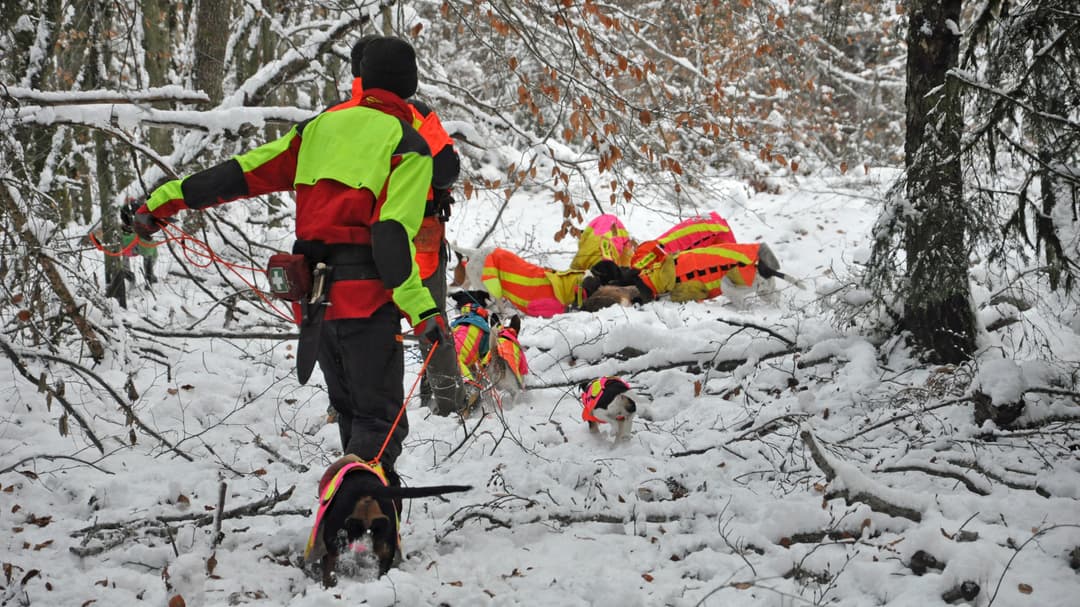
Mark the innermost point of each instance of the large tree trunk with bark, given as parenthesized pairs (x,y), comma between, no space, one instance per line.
(212,25)
(938,310)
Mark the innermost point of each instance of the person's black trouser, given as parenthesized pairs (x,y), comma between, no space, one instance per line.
(442,381)
(363,363)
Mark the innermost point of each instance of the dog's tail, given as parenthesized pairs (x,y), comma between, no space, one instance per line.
(393,492)
(769,267)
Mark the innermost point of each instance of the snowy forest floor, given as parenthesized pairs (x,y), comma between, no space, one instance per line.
(778,460)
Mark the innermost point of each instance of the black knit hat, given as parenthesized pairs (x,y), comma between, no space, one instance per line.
(358,54)
(388,64)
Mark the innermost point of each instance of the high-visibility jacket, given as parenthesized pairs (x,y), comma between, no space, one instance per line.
(446,166)
(737,262)
(533,289)
(471,339)
(357,169)
(694,233)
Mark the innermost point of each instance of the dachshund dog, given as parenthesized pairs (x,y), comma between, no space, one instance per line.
(608,400)
(360,501)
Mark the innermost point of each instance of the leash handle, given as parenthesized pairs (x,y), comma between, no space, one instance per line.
(401,411)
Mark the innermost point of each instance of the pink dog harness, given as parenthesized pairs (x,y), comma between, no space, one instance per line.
(599,393)
(329,486)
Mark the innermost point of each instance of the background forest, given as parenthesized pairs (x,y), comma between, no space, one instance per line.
(950,129)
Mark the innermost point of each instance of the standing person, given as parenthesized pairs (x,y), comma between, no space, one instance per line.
(361,174)
(441,388)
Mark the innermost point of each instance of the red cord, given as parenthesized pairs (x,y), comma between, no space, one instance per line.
(206,253)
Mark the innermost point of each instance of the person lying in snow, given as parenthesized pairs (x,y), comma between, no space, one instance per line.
(691,261)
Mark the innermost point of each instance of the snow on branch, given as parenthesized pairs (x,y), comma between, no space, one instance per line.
(177,94)
(127,116)
(848,482)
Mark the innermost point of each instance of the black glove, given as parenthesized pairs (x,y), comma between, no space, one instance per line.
(443,199)
(432,329)
(135,217)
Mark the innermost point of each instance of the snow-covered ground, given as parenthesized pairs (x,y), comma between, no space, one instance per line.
(716,499)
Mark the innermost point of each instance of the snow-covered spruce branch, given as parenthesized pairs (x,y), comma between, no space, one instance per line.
(176,94)
(854,486)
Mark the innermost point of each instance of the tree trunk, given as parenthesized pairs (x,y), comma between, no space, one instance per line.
(212,32)
(938,310)
(97,66)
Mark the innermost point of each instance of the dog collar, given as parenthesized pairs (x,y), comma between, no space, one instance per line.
(599,393)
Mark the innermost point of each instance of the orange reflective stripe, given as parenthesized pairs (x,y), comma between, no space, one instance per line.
(709,265)
(696,232)
(509,276)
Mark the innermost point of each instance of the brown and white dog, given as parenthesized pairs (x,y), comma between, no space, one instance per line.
(507,366)
(359,509)
(609,400)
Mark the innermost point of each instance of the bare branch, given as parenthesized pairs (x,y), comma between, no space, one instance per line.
(876,503)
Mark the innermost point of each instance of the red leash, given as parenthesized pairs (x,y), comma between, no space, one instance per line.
(207,253)
(195,254)
(401,411)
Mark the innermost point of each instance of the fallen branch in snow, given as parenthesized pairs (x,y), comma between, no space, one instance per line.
(218,535)
(846,474)
(51,458)
(1037,534)
(902,416)
(1012,484)
(816,537)
(750,325)
(581,373)
(124,406)
(16,362)
(564,519)
(757,431)
(943,471)
(121,531)
(279,457)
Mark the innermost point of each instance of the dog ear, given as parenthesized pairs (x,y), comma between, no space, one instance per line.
(493,320)
(515,323)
